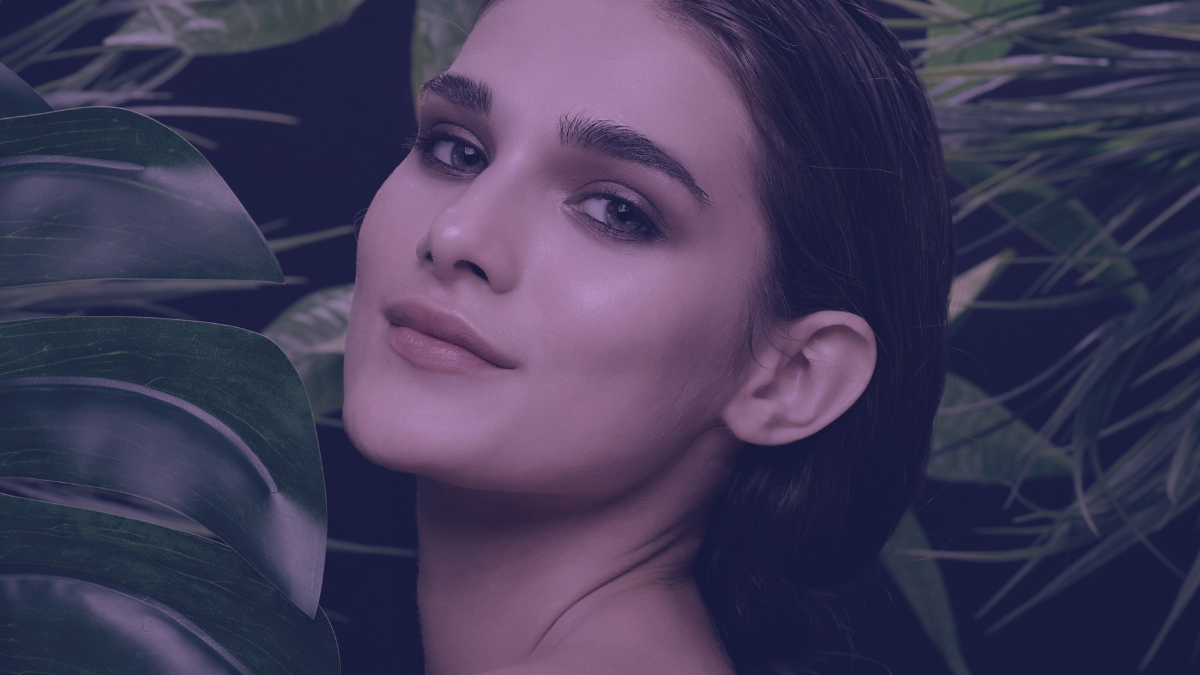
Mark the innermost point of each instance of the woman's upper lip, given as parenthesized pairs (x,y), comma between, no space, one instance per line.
(447,326)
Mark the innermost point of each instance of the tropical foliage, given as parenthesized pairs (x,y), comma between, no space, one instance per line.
(1091,170)
(207,422)
(160,482)
(1097,168)
(151,41)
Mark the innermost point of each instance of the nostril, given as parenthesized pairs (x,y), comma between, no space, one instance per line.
(429,256)
(477,270)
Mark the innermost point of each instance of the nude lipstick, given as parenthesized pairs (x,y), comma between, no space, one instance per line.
(436,339)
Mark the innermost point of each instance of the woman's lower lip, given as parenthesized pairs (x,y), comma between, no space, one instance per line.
(429,352)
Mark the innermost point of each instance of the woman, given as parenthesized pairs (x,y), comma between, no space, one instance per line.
(654,310)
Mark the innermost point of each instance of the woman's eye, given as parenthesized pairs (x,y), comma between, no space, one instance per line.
(619,216)
(456,154)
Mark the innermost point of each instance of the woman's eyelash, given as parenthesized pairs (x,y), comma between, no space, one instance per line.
(616,216)
(619,218)
(426,143)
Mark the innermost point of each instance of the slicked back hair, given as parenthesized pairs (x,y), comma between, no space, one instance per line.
(851,185)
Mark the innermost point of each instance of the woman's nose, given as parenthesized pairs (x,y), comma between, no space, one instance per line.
(476,236)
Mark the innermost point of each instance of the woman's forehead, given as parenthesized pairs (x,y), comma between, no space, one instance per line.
(593,51)
(615,60)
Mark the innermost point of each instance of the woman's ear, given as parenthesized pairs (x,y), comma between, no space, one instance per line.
(802,377)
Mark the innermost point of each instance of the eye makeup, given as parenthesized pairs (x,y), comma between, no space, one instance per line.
(451,154)
(618,214)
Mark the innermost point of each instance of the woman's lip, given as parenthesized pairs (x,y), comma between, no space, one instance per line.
(429,352)
(438,339)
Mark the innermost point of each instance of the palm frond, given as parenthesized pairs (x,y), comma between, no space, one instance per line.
(1112,124)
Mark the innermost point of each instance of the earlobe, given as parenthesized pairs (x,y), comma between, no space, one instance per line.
(803,376)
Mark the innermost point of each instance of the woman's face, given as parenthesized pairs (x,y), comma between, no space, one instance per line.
(581,201)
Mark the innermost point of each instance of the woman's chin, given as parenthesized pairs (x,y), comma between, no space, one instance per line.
(400,447)
(430,450)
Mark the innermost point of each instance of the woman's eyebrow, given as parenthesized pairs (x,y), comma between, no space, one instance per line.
(609,138)
(592,135)
(461,91)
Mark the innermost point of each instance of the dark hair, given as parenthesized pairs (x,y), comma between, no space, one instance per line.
(851,184)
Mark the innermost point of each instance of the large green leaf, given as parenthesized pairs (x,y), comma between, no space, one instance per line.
(920,580)
(203,422)
(312,332)
(146,294)
(107,193)
(228,26)
(987,445)
(86,592)
(18,98)
(209,420)
(440,28)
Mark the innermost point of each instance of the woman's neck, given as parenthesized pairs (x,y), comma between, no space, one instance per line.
(513,579)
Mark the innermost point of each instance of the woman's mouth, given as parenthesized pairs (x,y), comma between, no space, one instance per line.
(432,338)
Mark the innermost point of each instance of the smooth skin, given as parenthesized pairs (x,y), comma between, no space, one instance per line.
(561,501)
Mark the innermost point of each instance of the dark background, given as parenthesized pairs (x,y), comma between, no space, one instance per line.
(350,87)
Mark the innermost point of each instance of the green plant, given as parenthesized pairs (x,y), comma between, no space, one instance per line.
(1127,140)
(1033,165)
(206,422)
(155,41)
(165,35)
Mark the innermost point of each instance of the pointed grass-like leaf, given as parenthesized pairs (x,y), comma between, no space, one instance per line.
(986,51)
(1125,501)
(967,286)
(228,26)
(67,296)
(989,445)
(920,580)
(312,332)
(1106,549)
(48,26)
(208,420)
(1059,230)
(88,592)
(18,98)
(1183,598)
(440,28)
(97,193)
(22,47)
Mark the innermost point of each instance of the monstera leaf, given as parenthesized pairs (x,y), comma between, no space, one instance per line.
(158,408)
(97,193)
(18,98)
(210,422)
(82,591)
